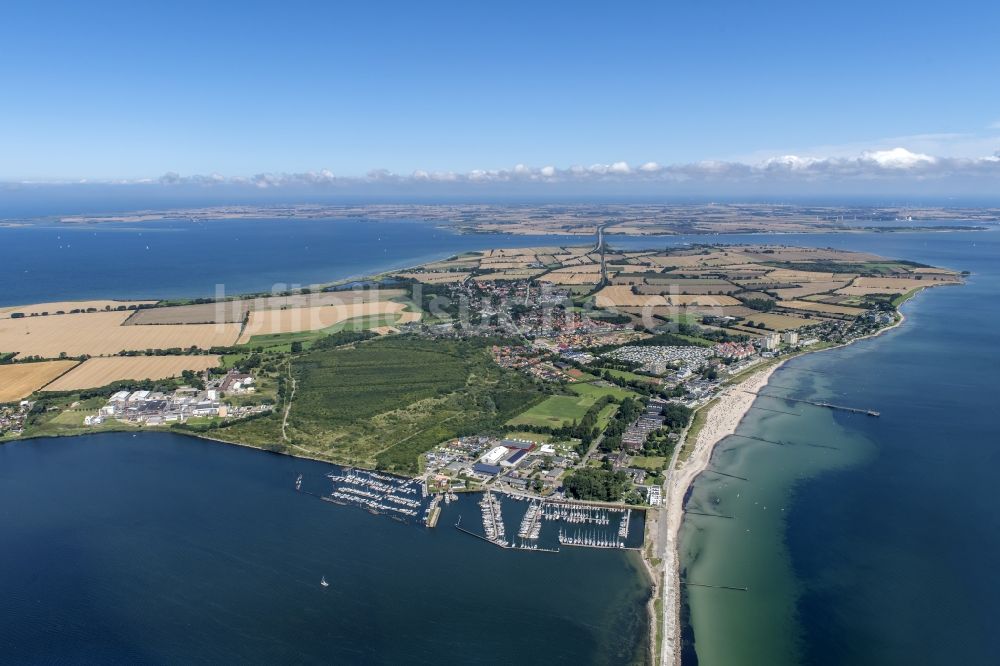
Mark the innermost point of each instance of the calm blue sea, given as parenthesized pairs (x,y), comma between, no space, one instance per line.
(861,540)
(184,258)
(160,548)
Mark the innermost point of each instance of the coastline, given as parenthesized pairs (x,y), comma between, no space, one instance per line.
(730,407)
(722,419)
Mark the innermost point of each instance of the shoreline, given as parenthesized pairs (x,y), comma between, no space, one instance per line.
(682,477)
(721,420)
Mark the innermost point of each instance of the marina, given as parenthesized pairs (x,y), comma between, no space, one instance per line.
(377,493)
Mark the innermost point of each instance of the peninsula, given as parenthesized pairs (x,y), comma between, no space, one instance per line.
(584,379)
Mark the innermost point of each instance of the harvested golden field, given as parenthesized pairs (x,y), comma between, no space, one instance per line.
(202,313)
(19,380)
(437,277)
(102,334)
(564,277)
(810,288)
(813,306)
(488,265)
(235,311)
(580,268)
(701,299)
(798,277)
(779,322)
(682,288)
(621,295)
(888,285)
(66,306)
(293,320)
(324,298)
(512,274)
(96,372)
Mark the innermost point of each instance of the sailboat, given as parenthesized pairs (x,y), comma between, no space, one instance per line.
(323,582)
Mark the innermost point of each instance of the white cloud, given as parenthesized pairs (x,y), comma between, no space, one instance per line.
(898,158)
(896,164)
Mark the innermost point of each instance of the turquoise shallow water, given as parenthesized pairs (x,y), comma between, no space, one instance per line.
(864,540)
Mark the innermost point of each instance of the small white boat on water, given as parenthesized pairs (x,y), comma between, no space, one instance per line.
(323,582)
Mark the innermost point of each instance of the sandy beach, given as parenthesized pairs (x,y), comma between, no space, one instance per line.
(721,421)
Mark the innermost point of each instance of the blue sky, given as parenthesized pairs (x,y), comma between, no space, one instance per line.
(135,90)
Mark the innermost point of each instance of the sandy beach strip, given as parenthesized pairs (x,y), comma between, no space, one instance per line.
(722,419)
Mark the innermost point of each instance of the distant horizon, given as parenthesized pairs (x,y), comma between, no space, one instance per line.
(39,201)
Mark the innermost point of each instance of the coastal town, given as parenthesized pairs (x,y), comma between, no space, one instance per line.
(576,391)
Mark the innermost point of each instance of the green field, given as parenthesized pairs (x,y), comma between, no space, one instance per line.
(386,401)
(559,410)
(651,463)
(630,376)
(283,341)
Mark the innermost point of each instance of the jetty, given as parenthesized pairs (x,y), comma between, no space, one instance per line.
(716,587)
(828,405)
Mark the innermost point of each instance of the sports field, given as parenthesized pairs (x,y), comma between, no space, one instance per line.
(97,372)
(19,380)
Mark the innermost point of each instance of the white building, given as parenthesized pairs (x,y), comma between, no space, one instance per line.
(495,455)
(770,341)
(790,337)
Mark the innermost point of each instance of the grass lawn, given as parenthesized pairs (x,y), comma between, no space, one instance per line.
(605,415)
(560,410)
(630,376)
(651,463)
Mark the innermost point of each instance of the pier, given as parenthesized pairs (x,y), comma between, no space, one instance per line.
(531,524)
(504,544)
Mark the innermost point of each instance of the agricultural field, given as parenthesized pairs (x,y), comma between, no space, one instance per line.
(19,380)
(295,320)
(815,306)
(863,286)
(779,322)
(63,307)
(235,310)
(97,372)
(809,288)
(436,277)
(222,312)
(385,401)
(622,296)
(102,334)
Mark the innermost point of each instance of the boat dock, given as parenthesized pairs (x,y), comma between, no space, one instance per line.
(504,544)
(377,493)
